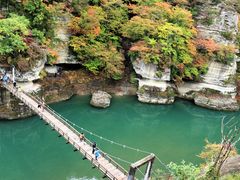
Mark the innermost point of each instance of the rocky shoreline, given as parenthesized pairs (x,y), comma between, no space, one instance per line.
(69,83)
(218,89)
(60,88)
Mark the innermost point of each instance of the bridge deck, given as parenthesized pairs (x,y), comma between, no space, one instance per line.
(104,163)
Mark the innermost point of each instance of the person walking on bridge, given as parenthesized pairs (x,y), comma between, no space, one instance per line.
(97,153)
(94,146)
(82,137)
(5,78)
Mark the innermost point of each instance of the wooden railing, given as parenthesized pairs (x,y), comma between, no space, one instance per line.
(65,122)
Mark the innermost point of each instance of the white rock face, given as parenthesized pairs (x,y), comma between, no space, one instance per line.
(63,35)
(100,99)
(218,73)
(219,78)
(220,103)
(162,85)
(29,86)
(216,78)
(51,69)
(225,20)
(149,71)
(34,73)
(151,89)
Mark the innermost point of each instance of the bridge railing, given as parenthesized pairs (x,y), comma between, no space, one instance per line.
(63,120)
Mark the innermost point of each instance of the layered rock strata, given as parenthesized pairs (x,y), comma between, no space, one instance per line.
(217,90)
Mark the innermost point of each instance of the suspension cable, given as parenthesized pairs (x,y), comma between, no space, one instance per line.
(101,137)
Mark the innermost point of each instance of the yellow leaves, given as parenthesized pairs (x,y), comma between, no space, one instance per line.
(211,151)
(180,2)
(96,12)
(73,25)
(182,17)
(50,8)
(139,46)
(159,11)
(164,5)
(88,23)
(77,43)
(139,27)
(228,48)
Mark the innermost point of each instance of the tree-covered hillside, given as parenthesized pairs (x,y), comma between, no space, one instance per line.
(107,35)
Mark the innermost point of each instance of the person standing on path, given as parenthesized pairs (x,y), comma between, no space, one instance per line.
(97,153)
(82,137)
(94,146)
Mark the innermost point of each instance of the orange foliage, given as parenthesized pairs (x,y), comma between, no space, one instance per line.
(160,8)
(139,46)
(96,30)
(163,5)
(53,55)
(192,48)
(91,11)
(145,10)
(181,67)
(200,60)
(132,6)
(207,44)
(50,8)
(52,52)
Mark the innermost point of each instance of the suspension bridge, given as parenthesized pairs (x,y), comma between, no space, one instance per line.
(64,127)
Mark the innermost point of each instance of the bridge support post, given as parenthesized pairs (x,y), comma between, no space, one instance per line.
(131,174)
(148,170)
(133,168)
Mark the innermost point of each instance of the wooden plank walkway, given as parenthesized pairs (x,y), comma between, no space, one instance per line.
(108,166)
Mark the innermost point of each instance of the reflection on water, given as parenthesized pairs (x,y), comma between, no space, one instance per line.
(31,150)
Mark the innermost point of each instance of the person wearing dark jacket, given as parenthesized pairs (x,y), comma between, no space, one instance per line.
(94,146)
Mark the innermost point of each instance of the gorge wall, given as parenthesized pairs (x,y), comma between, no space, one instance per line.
(217,88)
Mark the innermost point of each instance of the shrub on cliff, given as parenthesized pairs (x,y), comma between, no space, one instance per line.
(95,39)
(164,35)
(214,51)
(40,15)
(13,30)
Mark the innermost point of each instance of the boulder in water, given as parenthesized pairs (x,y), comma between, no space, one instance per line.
(100,99)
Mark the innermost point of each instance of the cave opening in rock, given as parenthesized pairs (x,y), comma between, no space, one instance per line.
(69,67)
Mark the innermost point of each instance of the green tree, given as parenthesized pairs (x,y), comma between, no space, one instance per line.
(41,18)
(12,33)
(99,57)
(184,171)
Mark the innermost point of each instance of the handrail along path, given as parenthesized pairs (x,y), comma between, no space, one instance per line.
(104,163)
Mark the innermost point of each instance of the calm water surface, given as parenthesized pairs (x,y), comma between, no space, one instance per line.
(31,150)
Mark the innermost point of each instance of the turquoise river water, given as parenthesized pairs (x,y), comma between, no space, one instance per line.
(31,150)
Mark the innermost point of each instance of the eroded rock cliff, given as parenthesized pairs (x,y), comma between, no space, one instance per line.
(219,81)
